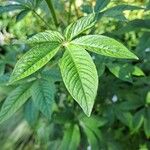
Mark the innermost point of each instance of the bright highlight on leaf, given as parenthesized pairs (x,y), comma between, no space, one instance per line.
(33,60)
(80,76)
(104,46)
(79,26)
(46,37)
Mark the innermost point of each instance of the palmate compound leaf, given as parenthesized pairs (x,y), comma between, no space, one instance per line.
(80,26)
(104,46)
(80,76)
(33,60)
(43,96)
(14,101)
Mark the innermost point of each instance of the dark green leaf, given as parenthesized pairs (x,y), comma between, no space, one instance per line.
(22,14)
(101,4)
(31,113)
(43,96)
(14,101)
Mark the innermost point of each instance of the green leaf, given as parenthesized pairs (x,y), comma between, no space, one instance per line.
(71,138)
(31,113)
(33,60)
(117,11)
(78,27)
(46,37)
(8,8)
(121,71)
(14,101)
(101,4)
(104,46)
(137,71)
(2,68)
(137,120)
(148,98)
(80,76)
(22,14)
(147,122)
(43,96)
(91,137)
(134,25)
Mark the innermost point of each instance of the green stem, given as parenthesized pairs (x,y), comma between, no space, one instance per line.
(76,9)
(51,8)
(69,15)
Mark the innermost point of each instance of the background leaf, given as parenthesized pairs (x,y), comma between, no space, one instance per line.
(43,96)
(14,101)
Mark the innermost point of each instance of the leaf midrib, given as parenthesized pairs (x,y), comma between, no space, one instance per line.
(56,49)
(79,77)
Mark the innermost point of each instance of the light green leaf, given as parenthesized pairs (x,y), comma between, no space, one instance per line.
(80,76)
(43,96)
(14,101)
(33,60)
(79,26)
(104,46)
(71,138)
(137,71)
(46,37)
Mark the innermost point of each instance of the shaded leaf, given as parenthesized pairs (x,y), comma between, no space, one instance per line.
(31,113)
(8,8)
(43,96)
(100,4)
(71,138)
(14,101)
(22,14)
(147,122)
(121,71)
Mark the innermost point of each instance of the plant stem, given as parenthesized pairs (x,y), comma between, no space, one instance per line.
(76,9)
(51,8)
(69,15)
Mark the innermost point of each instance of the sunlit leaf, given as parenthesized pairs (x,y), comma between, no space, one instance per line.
(80,76)
(33,60)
